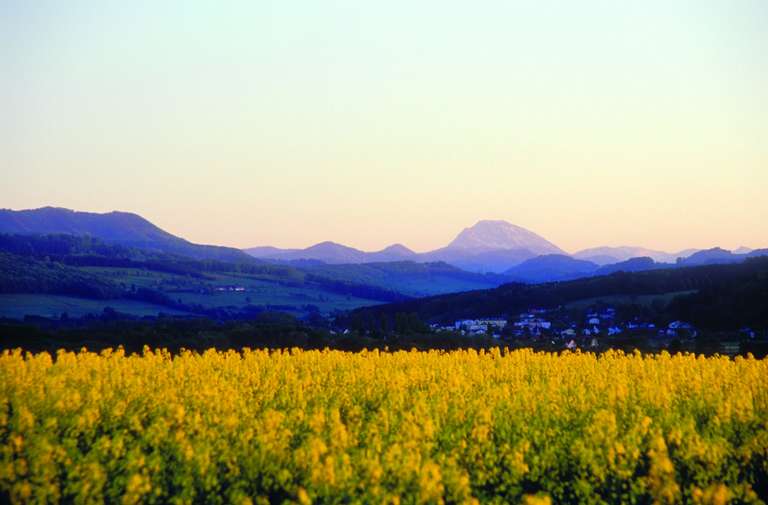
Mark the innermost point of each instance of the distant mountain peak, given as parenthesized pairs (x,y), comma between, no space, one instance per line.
(397,248)
(613,254)
(327,244)
(494,222)
(489,234)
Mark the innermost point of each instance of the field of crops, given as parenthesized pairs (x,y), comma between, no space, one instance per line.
(405,427)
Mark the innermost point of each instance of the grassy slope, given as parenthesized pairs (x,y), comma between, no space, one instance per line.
(16,306)
(413,279)
(260,290)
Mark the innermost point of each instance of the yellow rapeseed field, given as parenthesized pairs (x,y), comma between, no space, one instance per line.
(404,427)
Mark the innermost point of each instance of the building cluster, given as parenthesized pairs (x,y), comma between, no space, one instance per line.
(237,289)
(488,327)
(560,326)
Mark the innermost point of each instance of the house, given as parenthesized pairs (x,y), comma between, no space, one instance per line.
(747,332)
(480,326)
(641,326)
(594,321)
(238,289)
(678,328)
(533,323)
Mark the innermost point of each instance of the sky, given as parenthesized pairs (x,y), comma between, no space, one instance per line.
(287,123)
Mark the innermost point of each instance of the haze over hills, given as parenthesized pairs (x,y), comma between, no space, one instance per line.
(559,267)
(488,246)
(608,255)
(719,255)
(334,254)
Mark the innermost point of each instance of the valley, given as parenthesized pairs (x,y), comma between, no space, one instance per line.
(59,262)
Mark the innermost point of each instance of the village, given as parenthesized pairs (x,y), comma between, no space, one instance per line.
(588,329)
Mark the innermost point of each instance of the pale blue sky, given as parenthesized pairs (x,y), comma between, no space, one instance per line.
(287,123)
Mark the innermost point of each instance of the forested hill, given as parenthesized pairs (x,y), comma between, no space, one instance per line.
(718,296)
(123,228)
(45,268)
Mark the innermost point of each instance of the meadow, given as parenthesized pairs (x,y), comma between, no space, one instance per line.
(19,305)
(304,427)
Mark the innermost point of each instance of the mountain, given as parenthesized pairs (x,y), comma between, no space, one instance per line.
(717,255)
(686,252)
(492,246)
(328,252)
(632,265)
(332,254)
(497,246)
(123,228)
(267,251)
(488,246)
(608,255)
(742,250)
(489,235)
(710,257)
(551,267)
(599,259)
(395,252)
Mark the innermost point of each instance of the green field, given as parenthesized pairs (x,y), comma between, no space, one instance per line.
(203,291)
(258,291)
(16,306)
(326,302)
(412,279)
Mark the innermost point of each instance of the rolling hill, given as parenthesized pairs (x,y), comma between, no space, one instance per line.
(722,296)
(632,265)
(551,267)
(410,278)
(123,228)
